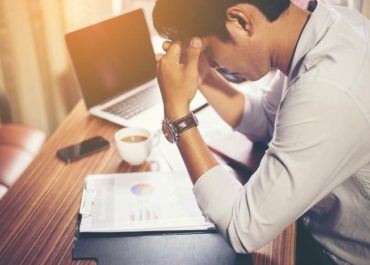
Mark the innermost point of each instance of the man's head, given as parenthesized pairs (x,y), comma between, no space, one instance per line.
(235,33)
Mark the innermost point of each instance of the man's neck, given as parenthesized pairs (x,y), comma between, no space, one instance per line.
(286,32)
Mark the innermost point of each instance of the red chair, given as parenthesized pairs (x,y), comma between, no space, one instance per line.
(19,144)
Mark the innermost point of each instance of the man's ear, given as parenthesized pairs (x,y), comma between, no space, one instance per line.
(239,20)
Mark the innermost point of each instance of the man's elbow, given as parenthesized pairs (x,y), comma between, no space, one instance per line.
(243,241)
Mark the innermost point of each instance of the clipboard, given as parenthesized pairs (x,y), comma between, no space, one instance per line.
(155,248)
(166,247)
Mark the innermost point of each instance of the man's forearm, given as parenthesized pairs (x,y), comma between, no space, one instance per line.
(229,104)
(195,153)
(226,100)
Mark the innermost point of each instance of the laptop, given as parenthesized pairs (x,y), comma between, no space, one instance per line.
(115,65)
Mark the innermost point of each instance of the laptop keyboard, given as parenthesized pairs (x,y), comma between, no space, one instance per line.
(135,104)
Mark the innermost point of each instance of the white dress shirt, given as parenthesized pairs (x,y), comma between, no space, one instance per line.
(317,123)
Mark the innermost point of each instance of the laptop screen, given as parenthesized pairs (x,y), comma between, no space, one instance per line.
(112,57)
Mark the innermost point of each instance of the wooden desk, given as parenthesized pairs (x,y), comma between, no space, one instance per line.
(38,214)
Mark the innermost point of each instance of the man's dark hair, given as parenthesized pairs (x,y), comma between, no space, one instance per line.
(183,19)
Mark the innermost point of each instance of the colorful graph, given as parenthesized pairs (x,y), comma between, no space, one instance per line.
(142,189)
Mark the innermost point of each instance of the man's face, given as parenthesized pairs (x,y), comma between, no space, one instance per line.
(243,58)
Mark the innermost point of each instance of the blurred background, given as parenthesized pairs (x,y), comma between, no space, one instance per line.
(35,71)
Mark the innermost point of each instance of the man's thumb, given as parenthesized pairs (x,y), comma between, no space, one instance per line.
(194,51)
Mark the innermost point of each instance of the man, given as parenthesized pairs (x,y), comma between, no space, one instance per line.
(316,117)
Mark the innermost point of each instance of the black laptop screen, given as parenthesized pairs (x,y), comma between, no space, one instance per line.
(112,57)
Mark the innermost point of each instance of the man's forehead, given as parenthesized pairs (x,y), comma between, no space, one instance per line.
(209,44)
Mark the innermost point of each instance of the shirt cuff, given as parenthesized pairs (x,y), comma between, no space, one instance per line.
(216,191)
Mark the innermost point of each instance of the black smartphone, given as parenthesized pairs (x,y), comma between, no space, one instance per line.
(90,146)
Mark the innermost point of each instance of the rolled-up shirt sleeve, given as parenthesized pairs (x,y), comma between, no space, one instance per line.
(319,141)
(259,114)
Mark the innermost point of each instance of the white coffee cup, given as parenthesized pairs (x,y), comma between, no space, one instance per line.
(134,145)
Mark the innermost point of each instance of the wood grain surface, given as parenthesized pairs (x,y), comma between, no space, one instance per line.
(38,214)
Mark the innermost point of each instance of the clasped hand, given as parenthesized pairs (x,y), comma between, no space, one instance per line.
(178,76)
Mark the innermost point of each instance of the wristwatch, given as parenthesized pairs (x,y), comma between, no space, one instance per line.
(173,129)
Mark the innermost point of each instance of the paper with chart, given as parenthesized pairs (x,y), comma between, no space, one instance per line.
(146,201)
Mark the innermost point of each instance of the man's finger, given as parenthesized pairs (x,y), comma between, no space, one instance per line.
(193,52)
(166,44)
(158,57)
(174,51)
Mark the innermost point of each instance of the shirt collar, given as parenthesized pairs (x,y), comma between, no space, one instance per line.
(316,28)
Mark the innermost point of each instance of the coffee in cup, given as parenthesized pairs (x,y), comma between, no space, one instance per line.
(134,138)
(134,145)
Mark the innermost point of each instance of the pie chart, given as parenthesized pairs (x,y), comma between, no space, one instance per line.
(142,189)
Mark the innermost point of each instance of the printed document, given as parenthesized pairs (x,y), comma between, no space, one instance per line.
(144,201)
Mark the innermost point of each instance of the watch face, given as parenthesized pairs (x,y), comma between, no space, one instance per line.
(168,133)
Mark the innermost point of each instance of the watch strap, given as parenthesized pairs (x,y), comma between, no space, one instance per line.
(185,123)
